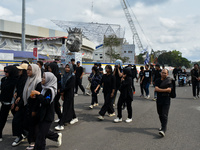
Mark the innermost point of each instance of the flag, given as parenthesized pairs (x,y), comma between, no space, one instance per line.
(147,59)
(144,50)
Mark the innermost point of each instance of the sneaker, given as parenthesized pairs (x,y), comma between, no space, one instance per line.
(147,97)
(88,94)
(59,128)
(91,106)
(160,129)
(128,120)
(101,118)
(162,133)
(194,97)
(56,121)
(59,142)
(17,141)
(73,121)
(154,99)
(96,104)
(1,139)
(75,94)
(30,147)
(117,120)
(111,115)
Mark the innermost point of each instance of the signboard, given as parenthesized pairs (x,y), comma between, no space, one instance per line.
(35,52)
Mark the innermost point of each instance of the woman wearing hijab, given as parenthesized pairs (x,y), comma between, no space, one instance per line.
(8,84)
(67,95)
(18,106)
(53,67)
(126,96)
(46,98)
(31,102)
(95,81)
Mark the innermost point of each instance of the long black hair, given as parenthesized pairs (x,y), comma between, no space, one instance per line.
(54,68)
(96,70)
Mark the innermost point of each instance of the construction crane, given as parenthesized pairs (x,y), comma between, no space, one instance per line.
(132,26)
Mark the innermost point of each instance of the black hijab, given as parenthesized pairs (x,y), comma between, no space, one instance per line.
(54,68)
(67,75)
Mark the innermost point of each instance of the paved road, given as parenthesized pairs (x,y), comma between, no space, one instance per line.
(142,134)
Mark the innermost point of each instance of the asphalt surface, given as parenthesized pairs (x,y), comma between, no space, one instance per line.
(141,134)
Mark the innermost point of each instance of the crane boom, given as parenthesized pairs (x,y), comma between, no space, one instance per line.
(132,26)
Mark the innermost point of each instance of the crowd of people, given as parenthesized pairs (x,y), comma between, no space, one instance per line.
(32,92)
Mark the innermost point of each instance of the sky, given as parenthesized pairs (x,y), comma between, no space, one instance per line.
(167,24)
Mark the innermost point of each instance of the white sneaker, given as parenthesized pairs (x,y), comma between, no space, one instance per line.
(17,141)
(162,133)
(101,118)
(59,143)
(128,120)
(1,139)
(59,128)
(91,106)
(111,115)
(117,120)
(75,94)
(96,104)
(194,97)
(147,97)
(73,121)
(88,94)
(57,120)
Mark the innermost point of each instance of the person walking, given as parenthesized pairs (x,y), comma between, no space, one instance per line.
(67,95)
(175,72)
(79,76)
(163,87)
(32,103)
(53,67)
(108,83)
(46,99)
(95,81)
(126,96)
(195,74)
(147,80)
(18,108)
(141,75)
(8,84)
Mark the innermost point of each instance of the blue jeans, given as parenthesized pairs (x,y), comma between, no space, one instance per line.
(146,88)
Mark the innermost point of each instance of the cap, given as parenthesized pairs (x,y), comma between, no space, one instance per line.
(23,66)
(78,62)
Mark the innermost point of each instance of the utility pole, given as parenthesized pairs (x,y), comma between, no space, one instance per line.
(23,26)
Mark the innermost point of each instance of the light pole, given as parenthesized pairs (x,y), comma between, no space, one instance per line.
(23,26)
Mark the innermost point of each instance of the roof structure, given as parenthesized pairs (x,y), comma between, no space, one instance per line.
(94,32)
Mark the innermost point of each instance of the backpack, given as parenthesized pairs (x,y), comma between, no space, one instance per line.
(173,91)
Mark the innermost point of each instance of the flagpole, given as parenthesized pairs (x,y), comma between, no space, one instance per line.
(23,26)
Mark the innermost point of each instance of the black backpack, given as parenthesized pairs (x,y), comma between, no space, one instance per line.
(173,91)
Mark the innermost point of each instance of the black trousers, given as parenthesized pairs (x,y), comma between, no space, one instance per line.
(107,106)
(120,103)
(43,132)
(163,111)
(133,85)
(17,122)
(94,96)
(142,88)
(57,105)
(195,88)
(78,83)
(3,116)
(175,76)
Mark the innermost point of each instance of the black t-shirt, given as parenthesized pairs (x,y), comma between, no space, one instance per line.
(100,69)
(118,78)
(179,71)
(79,71)
(157,74)
(141,74)
(74,67)
(147,76)
(162,98)
(108,82)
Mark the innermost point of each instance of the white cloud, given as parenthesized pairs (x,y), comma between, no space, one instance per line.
(5,12)
(30,10)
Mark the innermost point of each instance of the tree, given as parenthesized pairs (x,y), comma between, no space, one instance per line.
(140,59)
(110,42)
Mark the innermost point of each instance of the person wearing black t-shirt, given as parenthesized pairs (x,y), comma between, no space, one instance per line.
(157,75)
(175,72)
(179,71)
(79,76)
(195,74)
(163,87)
(147,80)
(141,74)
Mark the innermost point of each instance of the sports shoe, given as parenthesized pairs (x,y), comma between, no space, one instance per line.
(1,139)
(30,147)
(194,97)
(73,121)
(96,104)
(59,142)
(56,121)
(159,129)
(59,128)
(117,120)
(111,115)
(154,99)
(75,94)
(17,141)
(162,133)
(101,118)
(128,120)
(88,94)
(147,97)
(91,106)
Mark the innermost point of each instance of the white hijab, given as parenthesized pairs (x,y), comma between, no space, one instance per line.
(32,82)
(50,83)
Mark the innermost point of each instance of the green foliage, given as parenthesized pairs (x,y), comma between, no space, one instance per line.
(173,58)
(140,59)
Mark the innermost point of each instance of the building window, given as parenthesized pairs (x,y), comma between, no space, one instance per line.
(124,51)
(129,51)
(96,54)
(101,57)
